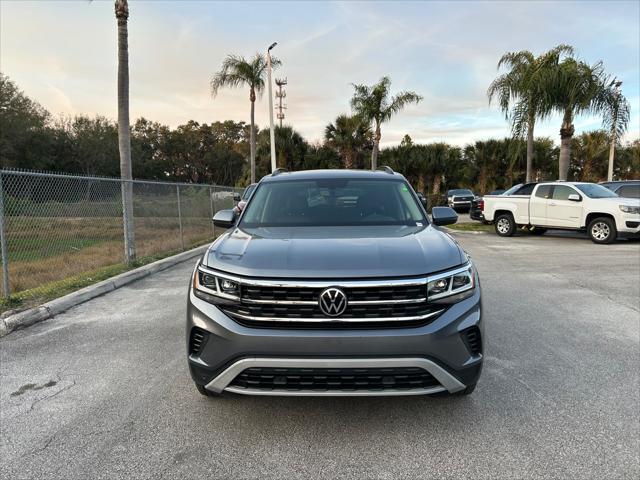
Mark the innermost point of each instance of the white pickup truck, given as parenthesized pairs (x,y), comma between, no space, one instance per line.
(565,205)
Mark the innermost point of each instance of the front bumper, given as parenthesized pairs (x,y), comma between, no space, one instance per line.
(461,204)
(437,347)
(628,225)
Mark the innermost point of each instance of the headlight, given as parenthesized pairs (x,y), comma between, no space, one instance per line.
(630,209)
(452,283)
(214,288)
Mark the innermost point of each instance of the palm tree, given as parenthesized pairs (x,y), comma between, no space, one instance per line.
(124,132)
(236,72)
(577,88)
(291,148)
(523,85)
(374,104)
(589,152)
(349,136)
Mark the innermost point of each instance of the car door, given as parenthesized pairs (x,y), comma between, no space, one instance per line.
(562,212)
(538,205)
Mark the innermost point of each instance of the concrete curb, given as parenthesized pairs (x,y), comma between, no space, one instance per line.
(59,305)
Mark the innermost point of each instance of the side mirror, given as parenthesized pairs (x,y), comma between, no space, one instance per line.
(224,219)
(236,197)
(574,197)
(443,216)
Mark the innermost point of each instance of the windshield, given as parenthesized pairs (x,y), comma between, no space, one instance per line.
(592,190)
(512,189)
(333,202)
(248,191)
(460,191)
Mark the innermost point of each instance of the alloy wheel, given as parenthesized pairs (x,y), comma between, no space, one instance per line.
(503,225)
(600,231)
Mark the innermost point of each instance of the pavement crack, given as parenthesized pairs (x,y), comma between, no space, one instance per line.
(49,397)
(41,449)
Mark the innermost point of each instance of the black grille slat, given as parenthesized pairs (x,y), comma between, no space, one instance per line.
(335,379)
(354,294)
(197,340)
(472,339)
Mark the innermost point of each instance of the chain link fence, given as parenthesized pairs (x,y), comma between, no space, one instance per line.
(57,228)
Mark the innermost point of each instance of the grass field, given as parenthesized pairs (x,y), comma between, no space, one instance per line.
(52,256)
(471,227)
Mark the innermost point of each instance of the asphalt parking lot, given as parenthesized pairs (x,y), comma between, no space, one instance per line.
(103,390)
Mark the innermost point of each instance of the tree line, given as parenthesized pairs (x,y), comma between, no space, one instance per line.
(218,152)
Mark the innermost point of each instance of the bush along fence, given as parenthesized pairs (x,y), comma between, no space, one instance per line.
(57,228)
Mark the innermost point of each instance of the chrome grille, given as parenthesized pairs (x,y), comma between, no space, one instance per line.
(390,302)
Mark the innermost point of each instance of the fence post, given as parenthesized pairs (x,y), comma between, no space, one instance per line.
(180,217)
(213,211)
(6,289)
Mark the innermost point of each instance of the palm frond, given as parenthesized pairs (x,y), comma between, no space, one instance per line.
(398,102)
(237,71)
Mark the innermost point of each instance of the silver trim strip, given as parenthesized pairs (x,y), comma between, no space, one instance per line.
(335,393)
(222,381)
(401,282)
(317,283)
(315,302)
(330,320)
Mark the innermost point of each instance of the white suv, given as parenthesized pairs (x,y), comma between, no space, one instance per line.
(566,205)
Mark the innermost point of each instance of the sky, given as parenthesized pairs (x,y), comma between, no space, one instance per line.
(63,54)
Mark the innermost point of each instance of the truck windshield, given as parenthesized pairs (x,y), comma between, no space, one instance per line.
(333,202)
(512,189)
(460,191)
(592,190)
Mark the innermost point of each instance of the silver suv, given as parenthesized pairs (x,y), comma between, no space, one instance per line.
(334,282)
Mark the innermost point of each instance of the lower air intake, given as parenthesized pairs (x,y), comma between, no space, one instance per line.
(472,340)
(335,379)
(197,340)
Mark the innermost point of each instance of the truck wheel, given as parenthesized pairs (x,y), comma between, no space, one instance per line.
(602,230)
(537,231)
(505,226)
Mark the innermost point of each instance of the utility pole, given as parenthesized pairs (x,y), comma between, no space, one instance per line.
(612,147)
(280,94)
(273,136)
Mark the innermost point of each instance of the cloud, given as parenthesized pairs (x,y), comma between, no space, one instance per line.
(447,52)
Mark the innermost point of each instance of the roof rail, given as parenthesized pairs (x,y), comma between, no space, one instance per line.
(278,171)
(386,169)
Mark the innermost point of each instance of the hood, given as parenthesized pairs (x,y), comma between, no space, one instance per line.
(334,252)
(612,201)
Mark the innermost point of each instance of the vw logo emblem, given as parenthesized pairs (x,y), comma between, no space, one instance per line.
(332,302)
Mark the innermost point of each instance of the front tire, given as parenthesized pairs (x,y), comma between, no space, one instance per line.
(505,225)
(602,230)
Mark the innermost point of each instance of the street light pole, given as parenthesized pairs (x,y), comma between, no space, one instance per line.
(612,147)
(273,136)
